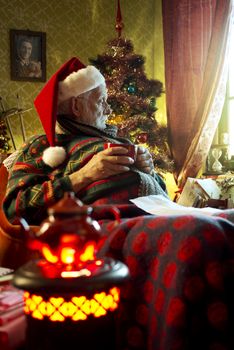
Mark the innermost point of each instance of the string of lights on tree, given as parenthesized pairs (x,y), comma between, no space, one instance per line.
(132,97)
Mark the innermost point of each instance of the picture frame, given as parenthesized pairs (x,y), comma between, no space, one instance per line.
(27,55)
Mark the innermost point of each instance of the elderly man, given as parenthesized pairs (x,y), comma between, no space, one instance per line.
(75,100)
(181,291)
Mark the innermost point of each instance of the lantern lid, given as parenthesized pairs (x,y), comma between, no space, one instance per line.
(33,277)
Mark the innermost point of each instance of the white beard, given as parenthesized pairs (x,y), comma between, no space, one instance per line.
(99,123)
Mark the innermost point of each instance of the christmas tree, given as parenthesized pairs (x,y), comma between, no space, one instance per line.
(132,97)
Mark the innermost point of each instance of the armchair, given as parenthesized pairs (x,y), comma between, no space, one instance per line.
(13,249)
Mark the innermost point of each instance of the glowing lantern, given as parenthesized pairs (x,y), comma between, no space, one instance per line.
(71,295)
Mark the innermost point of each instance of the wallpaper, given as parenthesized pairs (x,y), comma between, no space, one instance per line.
(79,28)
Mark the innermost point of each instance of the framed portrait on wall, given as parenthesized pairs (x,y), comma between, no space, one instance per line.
(27,55)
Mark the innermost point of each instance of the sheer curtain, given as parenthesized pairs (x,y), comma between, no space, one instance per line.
(196,43)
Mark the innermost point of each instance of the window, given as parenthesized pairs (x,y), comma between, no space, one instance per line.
(224,136)
(230,100)
(226,124)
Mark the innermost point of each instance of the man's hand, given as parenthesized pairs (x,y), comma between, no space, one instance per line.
(144,161)
(111,161)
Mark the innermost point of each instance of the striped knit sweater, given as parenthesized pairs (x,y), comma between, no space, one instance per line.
(33,186)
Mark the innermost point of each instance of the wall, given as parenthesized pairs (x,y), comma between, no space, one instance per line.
(76,28)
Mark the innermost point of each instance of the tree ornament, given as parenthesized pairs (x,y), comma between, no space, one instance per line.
(142,137)
(152,102)
(131,89)
(119,24)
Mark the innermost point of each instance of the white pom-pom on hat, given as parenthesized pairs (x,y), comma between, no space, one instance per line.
(54,156)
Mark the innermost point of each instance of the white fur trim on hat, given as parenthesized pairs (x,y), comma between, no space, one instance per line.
(79,82)
(54,156)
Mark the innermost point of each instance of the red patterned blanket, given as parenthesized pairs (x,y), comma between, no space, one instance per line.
(181,291)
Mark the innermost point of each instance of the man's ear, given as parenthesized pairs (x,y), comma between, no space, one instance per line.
(76,106)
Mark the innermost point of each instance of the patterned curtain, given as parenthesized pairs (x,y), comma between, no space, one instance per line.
(196,42)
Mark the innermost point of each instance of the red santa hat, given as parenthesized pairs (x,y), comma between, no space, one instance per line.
(72,79)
